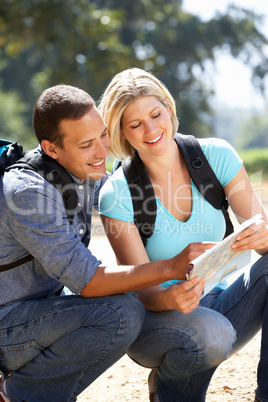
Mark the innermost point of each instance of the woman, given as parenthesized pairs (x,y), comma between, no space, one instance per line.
(184,338)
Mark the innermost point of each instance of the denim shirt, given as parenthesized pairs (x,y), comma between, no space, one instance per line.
(33,220)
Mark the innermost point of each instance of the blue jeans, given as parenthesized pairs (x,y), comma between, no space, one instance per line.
(56,347)
(187,349)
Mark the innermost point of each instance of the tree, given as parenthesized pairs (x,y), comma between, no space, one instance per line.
(12,120)
(85,43)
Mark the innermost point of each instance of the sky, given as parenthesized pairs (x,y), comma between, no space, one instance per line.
(232,82)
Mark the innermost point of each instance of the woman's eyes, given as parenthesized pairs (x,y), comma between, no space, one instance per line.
(136,126)
(153,117)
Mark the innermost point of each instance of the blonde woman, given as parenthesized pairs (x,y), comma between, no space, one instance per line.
(183,338)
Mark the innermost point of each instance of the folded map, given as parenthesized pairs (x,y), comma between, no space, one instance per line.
(221,261)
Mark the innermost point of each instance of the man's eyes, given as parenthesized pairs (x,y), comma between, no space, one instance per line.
(86,146)
(89,144)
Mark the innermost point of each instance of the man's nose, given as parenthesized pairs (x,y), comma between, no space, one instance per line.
(102,149)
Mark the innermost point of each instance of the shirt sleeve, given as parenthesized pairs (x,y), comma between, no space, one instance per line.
(115,198)
(222,157)
(36,218)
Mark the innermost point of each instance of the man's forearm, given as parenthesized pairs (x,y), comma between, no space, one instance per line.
(122,279)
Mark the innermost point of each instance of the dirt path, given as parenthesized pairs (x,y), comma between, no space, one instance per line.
(234,380)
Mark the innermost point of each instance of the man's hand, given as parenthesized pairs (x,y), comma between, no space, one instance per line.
(192,251)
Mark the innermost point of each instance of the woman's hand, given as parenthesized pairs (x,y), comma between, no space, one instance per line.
(255,237)
(184,296)
(245,204)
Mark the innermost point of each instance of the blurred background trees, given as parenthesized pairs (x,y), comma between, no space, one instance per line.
(85,43)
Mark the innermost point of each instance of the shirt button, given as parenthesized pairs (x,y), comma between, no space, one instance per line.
(79,204)
(81,187)
(81,231)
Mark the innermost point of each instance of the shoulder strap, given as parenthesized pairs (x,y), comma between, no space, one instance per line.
(9,154)
(55,174)
(16,263)
(142,193)
(203,176)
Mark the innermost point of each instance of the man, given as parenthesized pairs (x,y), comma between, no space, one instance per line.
(51,347)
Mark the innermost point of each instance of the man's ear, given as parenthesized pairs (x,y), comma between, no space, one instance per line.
(50,148)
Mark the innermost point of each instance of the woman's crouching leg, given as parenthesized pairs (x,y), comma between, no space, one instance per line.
(186,349)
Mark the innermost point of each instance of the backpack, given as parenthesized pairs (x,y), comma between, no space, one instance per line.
(201,173)
(12,156)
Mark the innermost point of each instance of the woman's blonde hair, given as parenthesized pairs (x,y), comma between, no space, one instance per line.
(124,88)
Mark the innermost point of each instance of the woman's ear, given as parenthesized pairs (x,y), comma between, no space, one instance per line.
(122,134)
(168,106)
(168,101)
(49,148)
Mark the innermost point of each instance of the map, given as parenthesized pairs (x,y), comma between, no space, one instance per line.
(221,261)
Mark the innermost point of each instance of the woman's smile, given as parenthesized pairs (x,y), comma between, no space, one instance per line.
(155,140)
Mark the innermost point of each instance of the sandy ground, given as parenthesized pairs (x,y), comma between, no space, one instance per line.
(234,380)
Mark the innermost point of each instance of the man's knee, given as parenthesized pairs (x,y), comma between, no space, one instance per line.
(120,315)
(133,314)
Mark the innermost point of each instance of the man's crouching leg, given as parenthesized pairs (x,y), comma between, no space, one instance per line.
(90,335)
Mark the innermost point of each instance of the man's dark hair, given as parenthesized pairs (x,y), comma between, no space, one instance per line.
(56,104)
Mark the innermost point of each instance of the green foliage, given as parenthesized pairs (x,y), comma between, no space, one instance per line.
(85,43)
(255,160)
(254,133)
(12,120)
(109,164)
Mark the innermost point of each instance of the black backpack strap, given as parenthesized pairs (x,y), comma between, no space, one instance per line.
(142,193)
(55,174)
(11,152)
(203,176)
(16,263)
